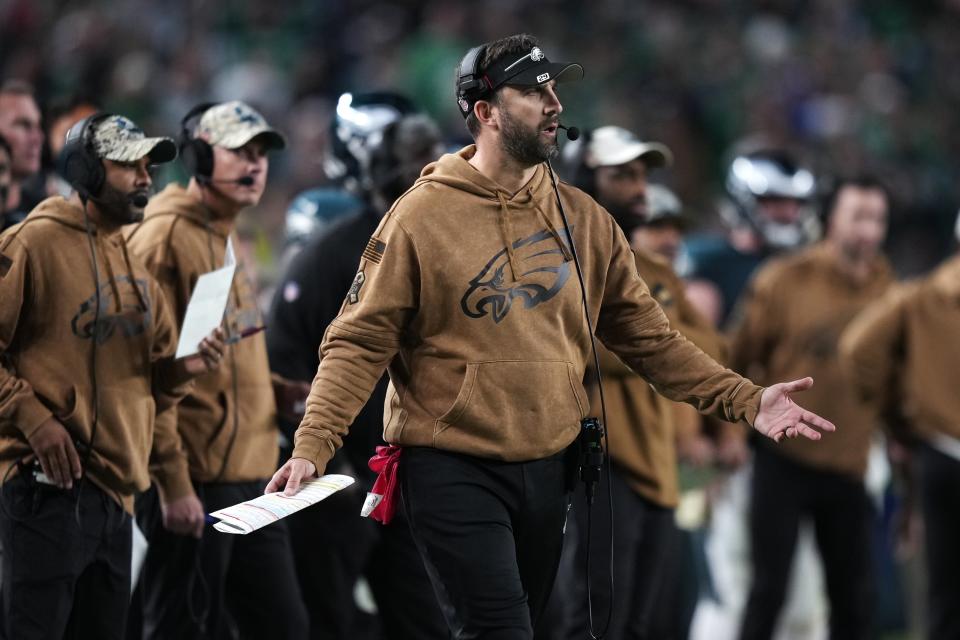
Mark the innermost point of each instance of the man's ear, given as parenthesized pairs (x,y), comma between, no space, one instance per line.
(483,110)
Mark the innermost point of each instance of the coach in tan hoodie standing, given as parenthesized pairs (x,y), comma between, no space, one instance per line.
(198,588)
(794,312)
(468,292)
(86,348)
(904,354)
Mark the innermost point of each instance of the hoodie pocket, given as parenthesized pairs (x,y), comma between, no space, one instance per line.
(73,406)
(511,407)
(76,416)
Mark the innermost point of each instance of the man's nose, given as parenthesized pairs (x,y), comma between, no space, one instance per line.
(553,102)
(143,180)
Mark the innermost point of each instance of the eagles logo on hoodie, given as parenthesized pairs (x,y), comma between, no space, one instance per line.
(543,273)
(129,316)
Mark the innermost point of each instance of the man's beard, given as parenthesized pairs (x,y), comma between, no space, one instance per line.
(523,144)
(117,207)
(625,216)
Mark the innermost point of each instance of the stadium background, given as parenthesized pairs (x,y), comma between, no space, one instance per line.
(847,86)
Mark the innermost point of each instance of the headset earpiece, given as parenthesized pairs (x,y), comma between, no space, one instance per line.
(195,153)
(471,86)
(78,162)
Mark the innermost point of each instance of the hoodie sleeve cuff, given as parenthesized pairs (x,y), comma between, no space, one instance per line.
(746,402)
(315,449)
(31,414)
(174,484)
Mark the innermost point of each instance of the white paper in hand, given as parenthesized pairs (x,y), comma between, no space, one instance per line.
(266,509)
(205,311)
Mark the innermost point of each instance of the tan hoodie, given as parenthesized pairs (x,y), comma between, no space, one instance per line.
(228,422)
(903,353)
(46,344)
(469,294)
(793,315)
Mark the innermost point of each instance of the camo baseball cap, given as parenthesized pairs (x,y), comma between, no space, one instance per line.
(233,124)
(117,138)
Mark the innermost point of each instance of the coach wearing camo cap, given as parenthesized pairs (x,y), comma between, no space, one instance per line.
(86,362)
(228,423)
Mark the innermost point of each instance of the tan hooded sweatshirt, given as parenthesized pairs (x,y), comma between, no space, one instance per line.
(903,353)
(228,422)
(641,423)
(470,295)
(46,344)
(793,315)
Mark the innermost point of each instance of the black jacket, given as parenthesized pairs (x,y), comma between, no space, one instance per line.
(307,298)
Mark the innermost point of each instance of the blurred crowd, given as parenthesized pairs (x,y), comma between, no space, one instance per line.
(846,85)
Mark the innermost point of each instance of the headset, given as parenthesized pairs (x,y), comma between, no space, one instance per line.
(472,85)
(78,162)
(196,153)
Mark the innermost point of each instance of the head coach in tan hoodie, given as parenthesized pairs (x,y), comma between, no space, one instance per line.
(469,293)
(87,344)
(228,422)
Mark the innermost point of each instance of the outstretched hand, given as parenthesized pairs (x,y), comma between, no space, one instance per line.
(780,417)
(290,475)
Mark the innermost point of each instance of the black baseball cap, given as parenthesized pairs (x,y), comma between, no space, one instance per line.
(525,68)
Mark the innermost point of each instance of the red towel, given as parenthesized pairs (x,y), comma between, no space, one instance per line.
(381,501)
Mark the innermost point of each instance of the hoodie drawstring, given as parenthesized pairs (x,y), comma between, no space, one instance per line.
(507,231)
(567,256)
(110,277)
(133,280)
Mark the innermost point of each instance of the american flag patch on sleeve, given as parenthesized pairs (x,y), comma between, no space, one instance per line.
(374,250)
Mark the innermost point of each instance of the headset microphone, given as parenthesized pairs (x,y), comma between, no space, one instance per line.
(572,132)
(138,200)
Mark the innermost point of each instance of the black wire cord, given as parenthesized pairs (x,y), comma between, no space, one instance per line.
(603,411)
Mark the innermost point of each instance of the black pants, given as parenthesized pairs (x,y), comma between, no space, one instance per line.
(63,576)
(490,535)
(784,491)
(222,585)
(940,494)
(642,553)
(333,546)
